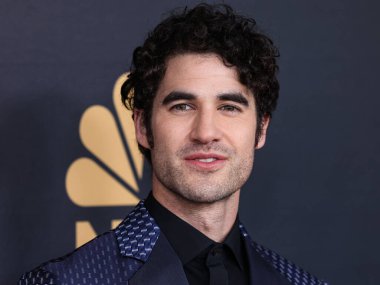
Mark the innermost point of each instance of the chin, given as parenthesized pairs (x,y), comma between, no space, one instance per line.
(205,196)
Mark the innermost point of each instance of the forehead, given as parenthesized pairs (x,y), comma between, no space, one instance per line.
(200,74)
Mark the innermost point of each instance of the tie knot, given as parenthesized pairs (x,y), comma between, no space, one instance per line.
(216,267)
(215,255)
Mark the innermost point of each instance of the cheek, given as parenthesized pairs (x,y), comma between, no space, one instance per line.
(168,132)
(242,135)
(245,142)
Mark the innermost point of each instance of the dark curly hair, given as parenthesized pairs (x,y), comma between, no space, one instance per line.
(204,29)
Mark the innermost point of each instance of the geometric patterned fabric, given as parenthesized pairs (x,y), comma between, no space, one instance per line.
(137,234)
(114,257)
(97,262)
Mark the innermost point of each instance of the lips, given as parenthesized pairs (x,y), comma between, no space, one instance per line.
(206,161)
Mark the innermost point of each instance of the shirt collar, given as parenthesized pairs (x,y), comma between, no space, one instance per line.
(187,241)
(234,241)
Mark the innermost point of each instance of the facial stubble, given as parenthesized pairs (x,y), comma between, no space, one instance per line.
(199,186)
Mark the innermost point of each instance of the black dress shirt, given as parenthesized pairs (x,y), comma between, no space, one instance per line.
(193,247)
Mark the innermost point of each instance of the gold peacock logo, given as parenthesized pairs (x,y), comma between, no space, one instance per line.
(113,181)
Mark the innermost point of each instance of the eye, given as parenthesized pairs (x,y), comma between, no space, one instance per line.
(181,107)
(230,108)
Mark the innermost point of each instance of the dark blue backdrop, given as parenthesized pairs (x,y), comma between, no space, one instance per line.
(314,194)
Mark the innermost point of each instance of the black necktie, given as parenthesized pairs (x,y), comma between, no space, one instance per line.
(214,262)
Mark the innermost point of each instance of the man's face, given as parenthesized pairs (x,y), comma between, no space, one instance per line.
(203,126)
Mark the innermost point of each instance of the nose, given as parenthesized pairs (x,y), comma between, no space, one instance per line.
(206,127)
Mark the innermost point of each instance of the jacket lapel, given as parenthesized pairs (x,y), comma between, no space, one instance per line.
(162,267)
(260,271)
(139,237)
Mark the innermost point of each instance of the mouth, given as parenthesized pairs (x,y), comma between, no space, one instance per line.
(206,161)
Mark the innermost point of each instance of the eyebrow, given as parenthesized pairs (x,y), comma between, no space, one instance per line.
(234,97)
(178,95)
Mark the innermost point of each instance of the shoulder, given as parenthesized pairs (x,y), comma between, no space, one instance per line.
(111,258)
(94,260)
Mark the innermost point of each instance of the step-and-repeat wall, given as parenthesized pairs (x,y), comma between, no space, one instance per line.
(70,168)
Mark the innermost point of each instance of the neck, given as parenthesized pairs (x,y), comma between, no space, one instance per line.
(214,220)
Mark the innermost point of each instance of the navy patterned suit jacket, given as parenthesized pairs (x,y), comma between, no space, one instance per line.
(137,253)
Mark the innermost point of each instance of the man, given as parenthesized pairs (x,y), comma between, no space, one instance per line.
(202,89)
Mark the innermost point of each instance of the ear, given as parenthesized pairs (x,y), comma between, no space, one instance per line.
(263,136)
(140,129)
